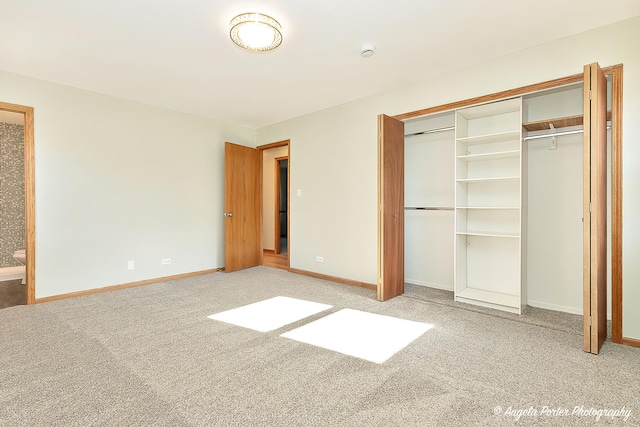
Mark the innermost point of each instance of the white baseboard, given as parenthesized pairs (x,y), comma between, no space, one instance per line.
(565,309)
(429,285)
(11,273)
(555,307)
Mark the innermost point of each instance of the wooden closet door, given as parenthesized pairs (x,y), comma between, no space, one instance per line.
(595,208)
(390,207)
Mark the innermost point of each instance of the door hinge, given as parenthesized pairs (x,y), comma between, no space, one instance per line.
(589,94)
(589,321)
(589,207)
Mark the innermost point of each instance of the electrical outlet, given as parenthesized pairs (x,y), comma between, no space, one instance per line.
(130,264)
(319,259)
(166,261)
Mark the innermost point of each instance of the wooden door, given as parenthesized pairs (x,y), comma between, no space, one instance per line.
(242,204)
(595,208)
(390,207)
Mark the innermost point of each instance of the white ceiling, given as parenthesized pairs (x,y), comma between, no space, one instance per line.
(177,54)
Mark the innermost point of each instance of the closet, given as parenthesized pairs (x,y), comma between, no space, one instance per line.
(503,205)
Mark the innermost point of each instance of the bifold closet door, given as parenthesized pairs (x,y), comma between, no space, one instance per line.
(390,207)
(595,208)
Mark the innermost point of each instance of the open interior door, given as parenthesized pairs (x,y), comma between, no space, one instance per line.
(595,208)
(390,207)
(242,204)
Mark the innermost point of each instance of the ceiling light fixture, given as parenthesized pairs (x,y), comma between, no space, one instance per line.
(255,32)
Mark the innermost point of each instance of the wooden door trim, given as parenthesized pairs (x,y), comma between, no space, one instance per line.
(616,204)
(29,196)
(283,143)
(276,205)
(616,71)
(510,93)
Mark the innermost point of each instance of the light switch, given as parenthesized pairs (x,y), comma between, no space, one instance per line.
(299,192)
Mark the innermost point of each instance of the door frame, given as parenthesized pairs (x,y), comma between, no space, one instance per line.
(262,148)
(29,196)
(616,71)
(276,205)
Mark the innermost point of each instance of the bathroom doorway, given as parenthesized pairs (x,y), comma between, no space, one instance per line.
(17,236)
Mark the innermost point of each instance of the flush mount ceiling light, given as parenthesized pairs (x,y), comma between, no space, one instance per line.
(255,32)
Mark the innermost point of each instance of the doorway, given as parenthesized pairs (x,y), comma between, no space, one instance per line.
(281,210)
(18,240)
(390,265)
(275,204)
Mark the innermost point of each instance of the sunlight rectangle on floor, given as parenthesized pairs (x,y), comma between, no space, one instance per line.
(270,314)
(368,336)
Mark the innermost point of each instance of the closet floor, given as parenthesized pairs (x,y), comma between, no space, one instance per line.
(550,319)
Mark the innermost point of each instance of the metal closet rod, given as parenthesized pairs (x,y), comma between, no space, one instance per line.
(426,132)
(551,135)
(427,208)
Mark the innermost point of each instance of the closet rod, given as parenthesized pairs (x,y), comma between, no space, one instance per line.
(551,135)
(426,132)
(430,208)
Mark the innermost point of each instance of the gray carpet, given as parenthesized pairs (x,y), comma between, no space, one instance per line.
(149,356)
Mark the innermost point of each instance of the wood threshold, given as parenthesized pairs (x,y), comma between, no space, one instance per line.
(29,196)
(334,279)
(269,251)
(124,286)
(630,342)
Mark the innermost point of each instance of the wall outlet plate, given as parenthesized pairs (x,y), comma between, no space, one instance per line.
(166,261)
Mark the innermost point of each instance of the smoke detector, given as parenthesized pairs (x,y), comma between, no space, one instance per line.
(367,50)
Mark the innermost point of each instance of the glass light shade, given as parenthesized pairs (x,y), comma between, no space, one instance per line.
(255,32)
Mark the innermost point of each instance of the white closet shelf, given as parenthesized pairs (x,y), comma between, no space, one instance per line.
(486,233)
(490,297)
(490,138)
(493,179)
(494,208)
(514,154)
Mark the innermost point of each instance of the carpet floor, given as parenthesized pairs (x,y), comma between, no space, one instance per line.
(149,356)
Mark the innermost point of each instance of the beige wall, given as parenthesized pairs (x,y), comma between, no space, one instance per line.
(268,194)
(337,216)
(117,181)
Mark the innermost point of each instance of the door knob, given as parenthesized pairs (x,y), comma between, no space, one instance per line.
(229,214)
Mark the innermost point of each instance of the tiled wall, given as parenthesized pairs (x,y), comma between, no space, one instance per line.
(11,192)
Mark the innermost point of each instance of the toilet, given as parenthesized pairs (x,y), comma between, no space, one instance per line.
(21,256)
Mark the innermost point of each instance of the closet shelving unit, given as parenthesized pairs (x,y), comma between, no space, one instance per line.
(490,192)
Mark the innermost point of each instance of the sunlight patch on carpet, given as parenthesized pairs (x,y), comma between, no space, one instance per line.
(368,336)
(270,314)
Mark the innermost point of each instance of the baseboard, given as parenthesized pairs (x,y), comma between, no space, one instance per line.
(555,307)
(124,286)
(12,273)
(429,285)
(564,309)
(334,279)
(631,342)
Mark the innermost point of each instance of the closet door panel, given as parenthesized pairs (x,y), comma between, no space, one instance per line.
(390,207)
(595,209)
